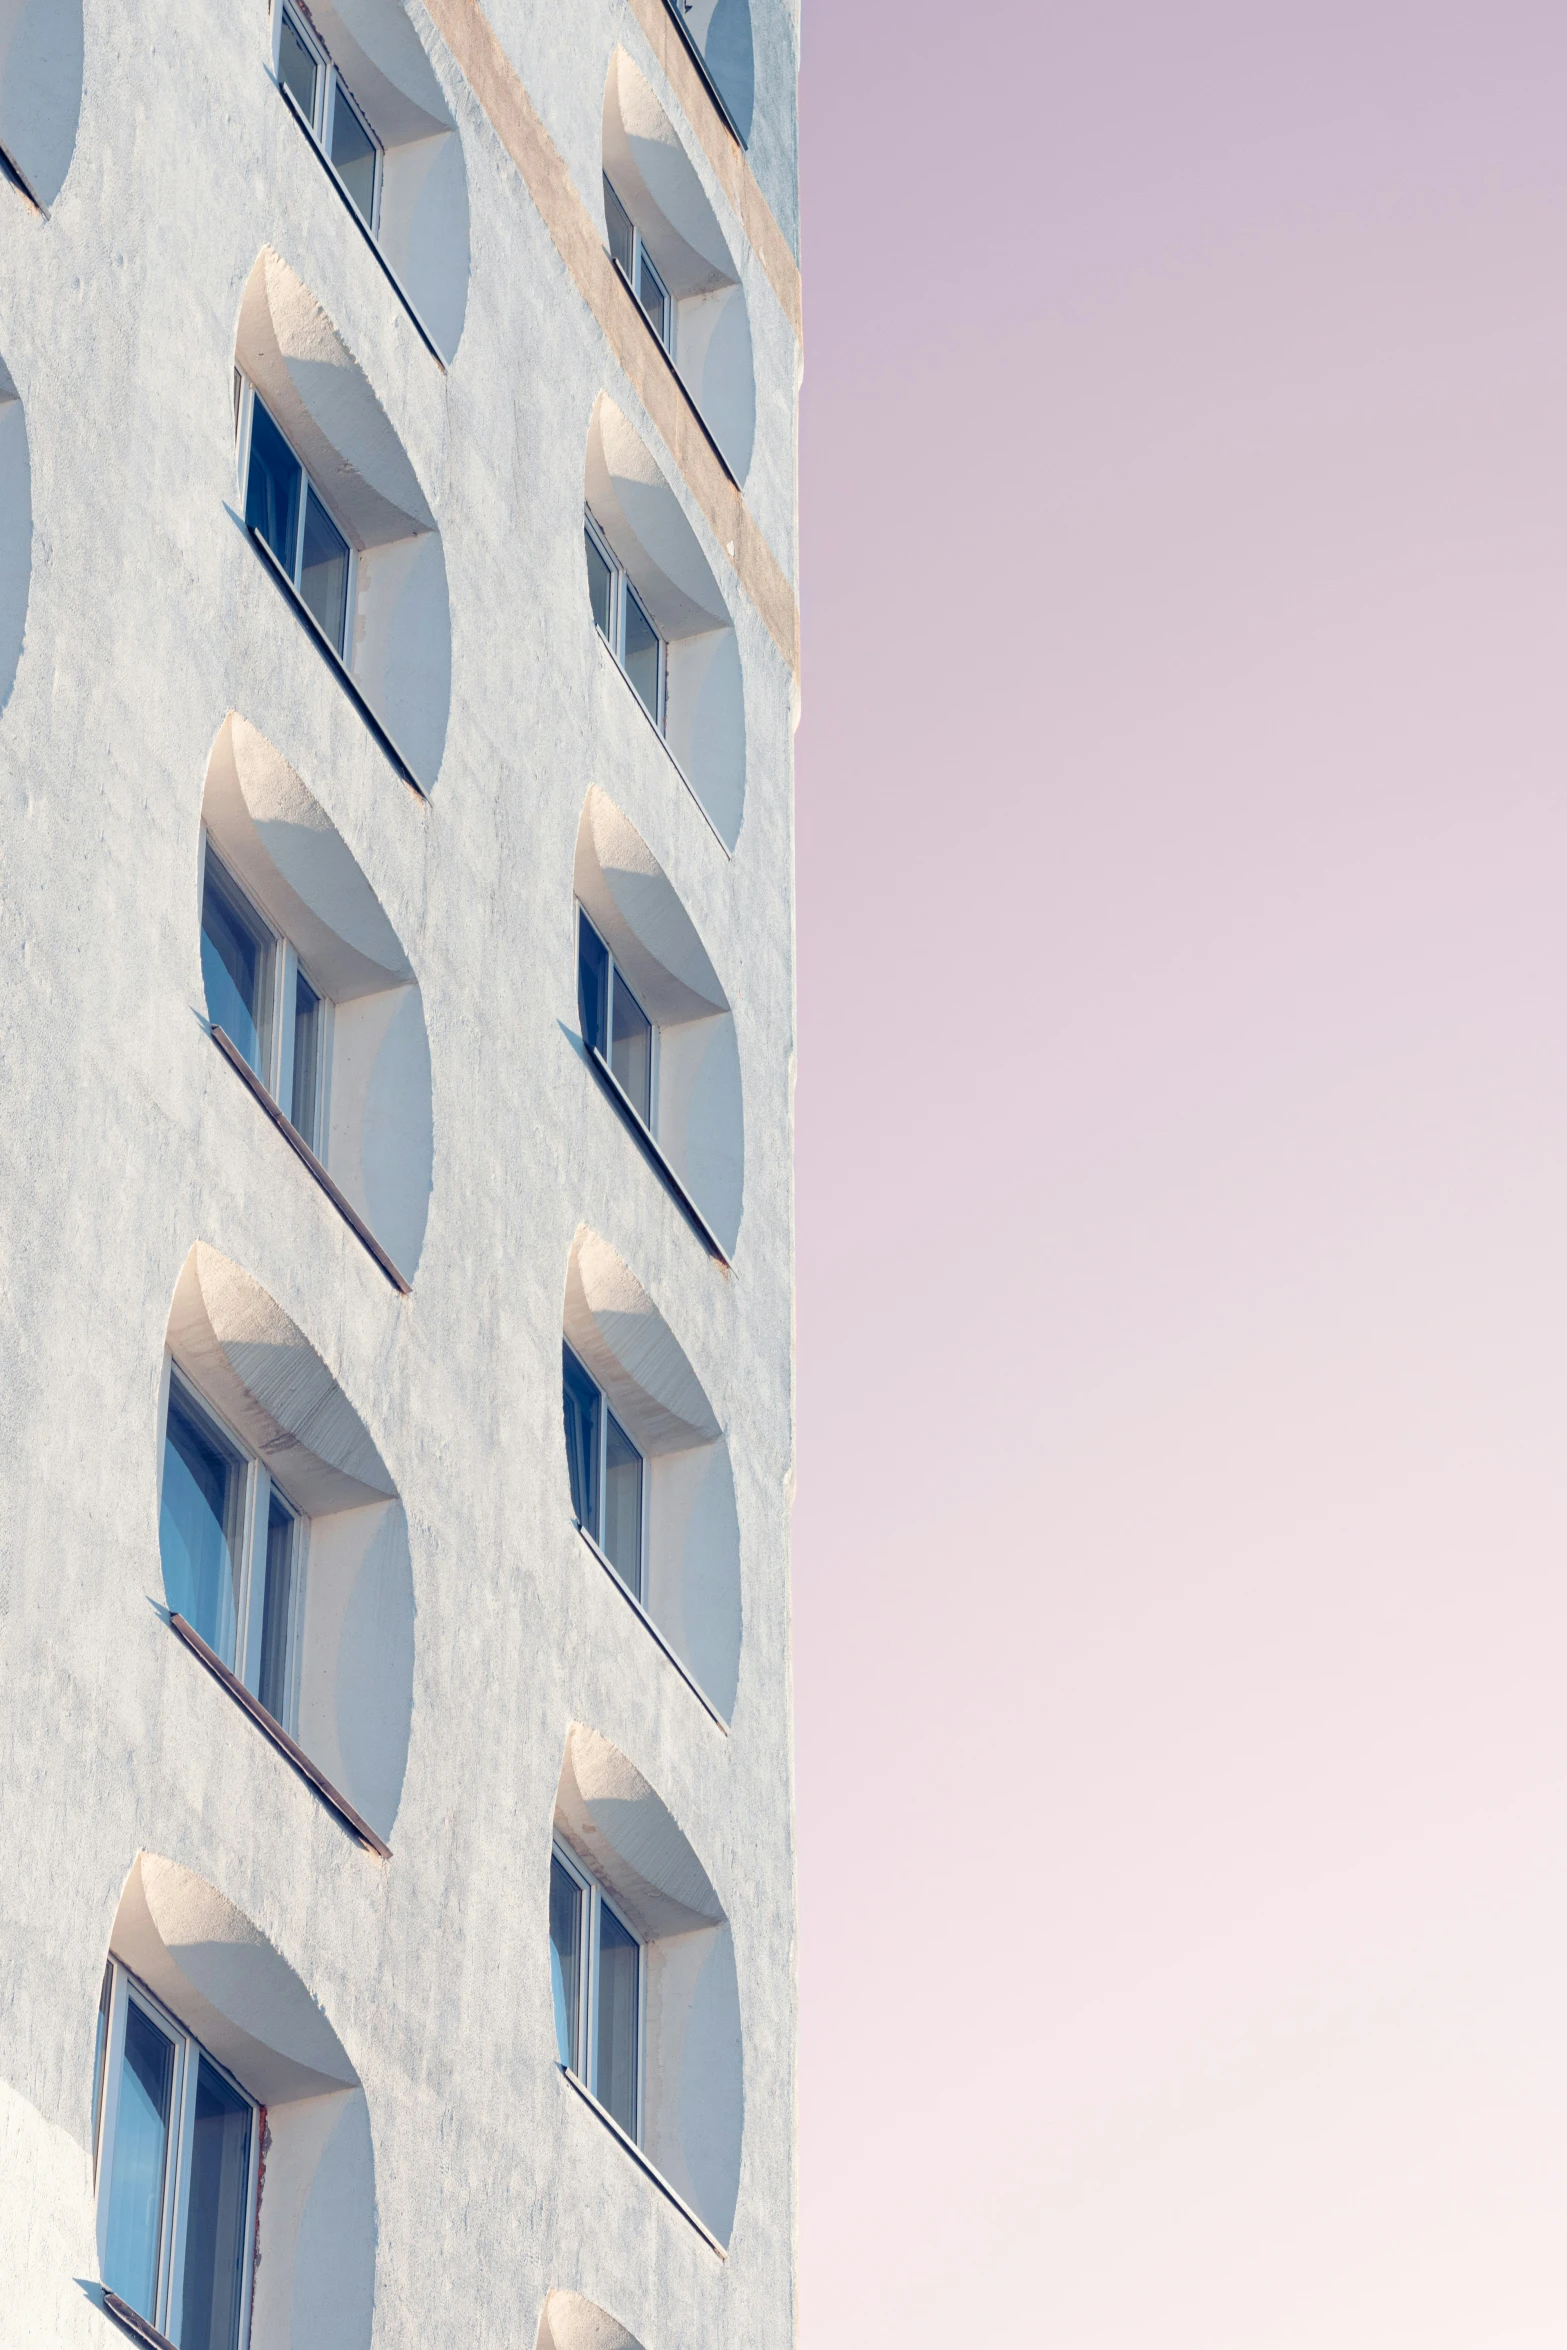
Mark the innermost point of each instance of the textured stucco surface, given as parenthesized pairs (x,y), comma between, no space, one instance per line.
(126,1140)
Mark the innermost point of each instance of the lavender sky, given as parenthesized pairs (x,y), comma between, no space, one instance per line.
(1181,1544)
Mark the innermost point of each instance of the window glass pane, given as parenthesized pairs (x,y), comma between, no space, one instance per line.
(601,589)
(354,155)
(654,300)
(582,1442)
(565,1958)
(236,963)
(621,238)
(323,571)
(272,492)
(615,2067)
(307,1059)
(297,70)
(100,2044)
(623,1505)
(631,1048)
(592,984)
(199,1526)
(137,2163)
(216,2215)
(276,1609)
(642,656)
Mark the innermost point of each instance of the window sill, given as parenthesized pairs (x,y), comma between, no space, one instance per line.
(137,2327)
(640,2159)
(662,741)
(18,179)
(358,218)
(655,1157)
(333,658)
(302,1150)
(664,352)
(280,1738)
(708,83)
(635,1604)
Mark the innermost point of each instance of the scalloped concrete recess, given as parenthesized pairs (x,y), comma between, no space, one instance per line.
(431,2177)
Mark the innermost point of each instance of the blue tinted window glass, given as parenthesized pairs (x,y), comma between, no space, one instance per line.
(631,1049)
(296,67)
(307,1059)
(642,657)
(198,1526)
(621,238)
(216,2213)
(354,155)
(592,984)
(138,2161)
(277,1607)
(565,1958)
(601,589)
(623,1505)
(272,491)
(615,2056)
(323,572)
(582,1441)
(235,965)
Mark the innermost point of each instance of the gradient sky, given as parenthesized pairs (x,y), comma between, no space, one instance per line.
(1181,1544)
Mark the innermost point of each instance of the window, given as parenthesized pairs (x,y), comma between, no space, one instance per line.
(233,1550)
(630,257)
(334,121)
(614,1024)
(175,2140)
(624,624)
(284,506)
(261,999)
(596,1969)
(608,1475)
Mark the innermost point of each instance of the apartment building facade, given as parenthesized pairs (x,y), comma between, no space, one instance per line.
(398,673)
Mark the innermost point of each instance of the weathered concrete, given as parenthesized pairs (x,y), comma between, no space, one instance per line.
(432,2178)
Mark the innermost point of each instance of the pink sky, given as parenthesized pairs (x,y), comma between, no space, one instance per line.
(1181,1549)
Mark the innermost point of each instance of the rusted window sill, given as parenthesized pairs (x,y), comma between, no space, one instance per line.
(655,1157)
(640,2159)
(334,660)
(279,1737)
(635,1604)
(302,1150)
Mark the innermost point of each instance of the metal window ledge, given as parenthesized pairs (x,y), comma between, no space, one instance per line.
(667,356)
(662,740)
(333,659)
(640,2159)
(279,1737)
(18,179)
(302,1150)
(126,2318)
(381,262)
(632,1601)
(654,1156)
(700,62)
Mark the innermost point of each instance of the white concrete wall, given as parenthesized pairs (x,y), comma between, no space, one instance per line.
(462,2175)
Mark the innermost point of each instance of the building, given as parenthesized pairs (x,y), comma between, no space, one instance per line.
(398,671)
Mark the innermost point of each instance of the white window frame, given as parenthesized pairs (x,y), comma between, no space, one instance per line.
(642,259)
(654,1053)
(124,1988)
(621,586)
(595,1533)
(285,971)
(596,1899)
(257,1488)
(330,86)
(245,412)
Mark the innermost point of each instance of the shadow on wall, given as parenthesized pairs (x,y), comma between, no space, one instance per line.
(568,2322)
(16,532)
(423,223)
(400,630)
(693,1527)
(645,525)
(721,30)
(220,1977)
(352,1673)
(698,1119)
(40,89)
(693,2085)
(649,170)
(376,1136)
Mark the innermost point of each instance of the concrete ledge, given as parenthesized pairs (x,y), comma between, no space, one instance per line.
(650,2169)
